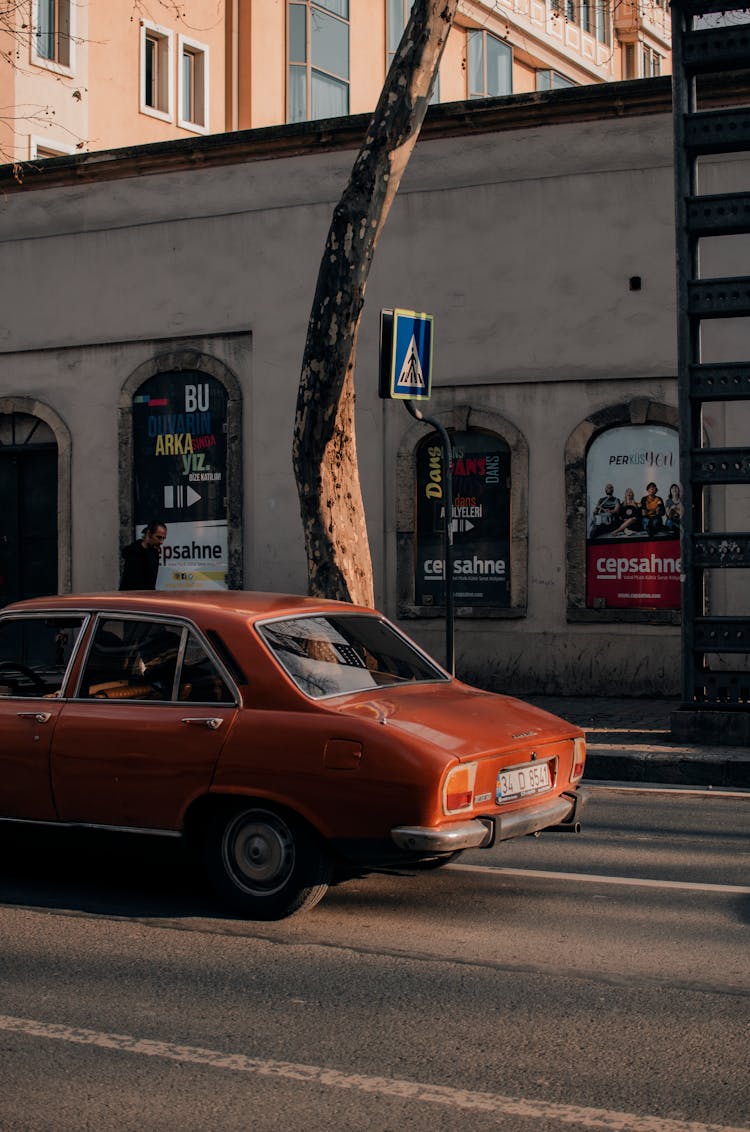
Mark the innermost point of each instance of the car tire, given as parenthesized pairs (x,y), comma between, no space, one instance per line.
(265,863)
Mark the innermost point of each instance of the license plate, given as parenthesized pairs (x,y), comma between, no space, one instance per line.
(522,781)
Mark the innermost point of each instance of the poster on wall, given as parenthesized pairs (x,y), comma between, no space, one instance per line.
(481,521)
(180,472)
(634,515)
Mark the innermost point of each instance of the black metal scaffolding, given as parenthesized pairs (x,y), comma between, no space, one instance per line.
(711,88)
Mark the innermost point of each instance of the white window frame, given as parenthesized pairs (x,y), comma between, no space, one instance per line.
(61,149)
(651,62)
(308,67)
(165,37)
(485,35)
(55,65)
(199,52)
(566,82)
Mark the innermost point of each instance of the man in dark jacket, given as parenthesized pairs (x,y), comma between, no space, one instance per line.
(141,558)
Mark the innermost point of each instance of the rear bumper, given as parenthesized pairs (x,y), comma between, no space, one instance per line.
(475,834)
(562,812)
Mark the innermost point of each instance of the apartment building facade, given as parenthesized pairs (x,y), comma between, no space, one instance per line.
(76,76)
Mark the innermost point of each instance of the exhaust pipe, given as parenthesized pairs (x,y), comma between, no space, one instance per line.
(579,798)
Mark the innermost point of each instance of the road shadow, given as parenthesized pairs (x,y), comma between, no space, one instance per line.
(742,908)
(107,873)
(102,872)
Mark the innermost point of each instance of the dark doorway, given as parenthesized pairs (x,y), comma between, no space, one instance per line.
(28,509)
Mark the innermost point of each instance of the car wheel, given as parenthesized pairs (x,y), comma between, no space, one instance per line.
(430,863)
(265,864)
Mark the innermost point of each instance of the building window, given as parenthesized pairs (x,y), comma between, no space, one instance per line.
(629,66)
(398,15)
(156,71)
(490,65)
(53,34)
(584,10)
(193,85)
(571,12)
(603,21)
(552,80)
(318,59)
(43,147)
(651,62)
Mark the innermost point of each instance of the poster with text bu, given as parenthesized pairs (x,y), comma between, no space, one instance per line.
(180,475)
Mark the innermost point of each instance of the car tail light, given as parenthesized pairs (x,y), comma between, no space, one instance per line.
(458,790)
(579,759)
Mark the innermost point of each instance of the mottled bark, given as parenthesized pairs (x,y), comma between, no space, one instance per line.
(324,449)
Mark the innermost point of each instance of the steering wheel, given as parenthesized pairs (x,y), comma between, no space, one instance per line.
(29,673)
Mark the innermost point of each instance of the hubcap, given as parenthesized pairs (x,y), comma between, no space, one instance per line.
(258,851)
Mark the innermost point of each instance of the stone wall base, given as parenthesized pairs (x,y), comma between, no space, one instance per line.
(724,728)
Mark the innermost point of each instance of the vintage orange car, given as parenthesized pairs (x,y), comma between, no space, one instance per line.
(285,736)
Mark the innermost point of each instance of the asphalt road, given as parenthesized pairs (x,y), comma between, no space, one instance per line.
(589,982)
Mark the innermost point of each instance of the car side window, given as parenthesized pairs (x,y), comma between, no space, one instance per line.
(132,660)
(200,679)
(35,653)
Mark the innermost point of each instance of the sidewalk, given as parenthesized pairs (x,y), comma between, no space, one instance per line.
(629,740)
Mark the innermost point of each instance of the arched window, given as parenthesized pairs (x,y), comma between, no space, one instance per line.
(622,538)
(480,518)
(181,464)
(35,490)
(490,524)
(634,510)
(180,473)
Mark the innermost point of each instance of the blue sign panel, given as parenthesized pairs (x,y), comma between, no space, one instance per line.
(411,356)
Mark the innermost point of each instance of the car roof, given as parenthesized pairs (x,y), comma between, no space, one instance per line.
(194,604)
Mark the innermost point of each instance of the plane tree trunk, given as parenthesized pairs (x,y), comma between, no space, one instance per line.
(324,447)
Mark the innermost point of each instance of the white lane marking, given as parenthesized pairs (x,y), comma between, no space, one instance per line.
(593,878)
(496,1105)
(658,788)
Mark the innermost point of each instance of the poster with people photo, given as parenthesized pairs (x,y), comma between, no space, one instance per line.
(634,515)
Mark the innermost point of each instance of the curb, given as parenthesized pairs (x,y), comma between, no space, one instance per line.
(679,767)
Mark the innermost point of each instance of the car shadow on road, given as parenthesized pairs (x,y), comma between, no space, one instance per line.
(107,873)
(102,872)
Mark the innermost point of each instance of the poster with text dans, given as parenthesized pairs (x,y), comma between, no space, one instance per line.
(634,515)
(481,521)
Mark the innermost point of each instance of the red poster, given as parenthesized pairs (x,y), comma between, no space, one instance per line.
(634,519)
(641,576)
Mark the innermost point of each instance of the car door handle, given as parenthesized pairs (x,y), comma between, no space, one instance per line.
(212,722)
(37,716)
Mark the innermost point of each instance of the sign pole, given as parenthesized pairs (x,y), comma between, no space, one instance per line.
(406,375)
(447,533)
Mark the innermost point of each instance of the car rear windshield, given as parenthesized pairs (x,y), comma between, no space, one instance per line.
(328,655)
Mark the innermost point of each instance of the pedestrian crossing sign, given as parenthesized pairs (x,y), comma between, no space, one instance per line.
(405,355)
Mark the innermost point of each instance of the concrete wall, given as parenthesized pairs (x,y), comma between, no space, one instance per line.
(521,242)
